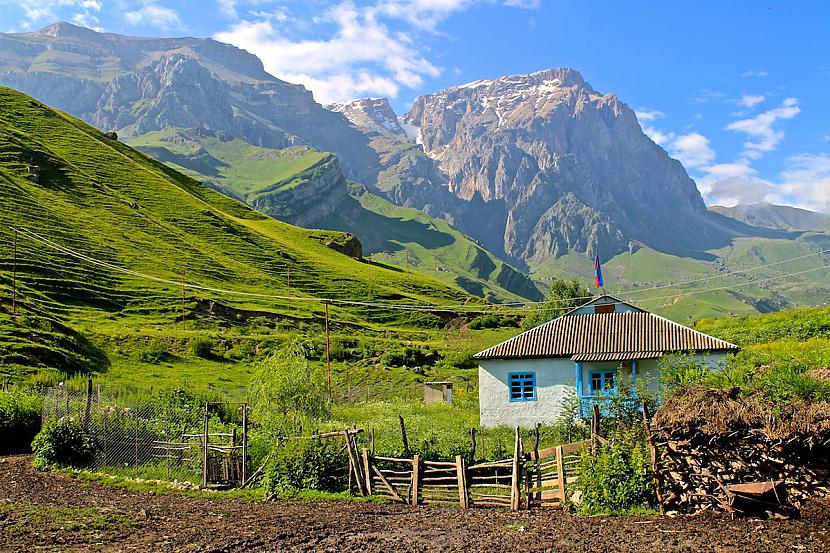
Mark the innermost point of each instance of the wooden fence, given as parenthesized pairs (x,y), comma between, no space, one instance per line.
(536,479)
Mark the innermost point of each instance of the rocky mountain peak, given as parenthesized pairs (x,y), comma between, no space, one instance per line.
(63,29)
(370,114)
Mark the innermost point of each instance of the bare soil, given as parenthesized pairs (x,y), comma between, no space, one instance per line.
(172,522)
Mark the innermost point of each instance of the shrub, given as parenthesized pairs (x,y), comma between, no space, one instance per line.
(492,321)
(201,346)
(63,443)
(287,392)
(410,356)
(462,359)
(306,464)
(154,352)
(680,372)
(617,480)
(19,421)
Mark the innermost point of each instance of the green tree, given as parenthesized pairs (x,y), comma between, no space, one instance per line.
(563,295)
(289,392)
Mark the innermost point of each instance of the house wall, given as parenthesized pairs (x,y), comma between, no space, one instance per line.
(555,382)
(554,377)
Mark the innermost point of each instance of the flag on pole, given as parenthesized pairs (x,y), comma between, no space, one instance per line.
(598,276)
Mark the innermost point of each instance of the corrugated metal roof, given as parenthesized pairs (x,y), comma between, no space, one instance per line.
(618,333)
(616,356)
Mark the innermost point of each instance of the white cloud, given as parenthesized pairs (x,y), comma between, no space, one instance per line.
(754,73)
(362,57)
(41,11)
(806,181)
(740,190)
(355,50)
(228,8)
(692,149)
(152,14)
(751,100)
(763,137)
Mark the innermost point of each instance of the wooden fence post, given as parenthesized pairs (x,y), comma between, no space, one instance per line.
(416,478)
(462,485)
(205,448)
(560,474)
(515,492)
(244,442)
(367,470)
(403,437)
(87,414)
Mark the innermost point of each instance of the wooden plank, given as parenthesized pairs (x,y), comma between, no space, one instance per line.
(495,464)
(560,469)
(389,486)
(366,463)
(462,488)
(515,500)
(392,459)
(576,446)
(416,479)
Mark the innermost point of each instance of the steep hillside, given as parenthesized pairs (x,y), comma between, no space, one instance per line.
(125,214)
(307,188)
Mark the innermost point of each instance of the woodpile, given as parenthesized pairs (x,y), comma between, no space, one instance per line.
(707,443)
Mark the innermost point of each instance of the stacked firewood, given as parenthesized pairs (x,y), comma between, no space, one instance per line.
(696,466)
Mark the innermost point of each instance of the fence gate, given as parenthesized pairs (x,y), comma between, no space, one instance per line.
(549,471)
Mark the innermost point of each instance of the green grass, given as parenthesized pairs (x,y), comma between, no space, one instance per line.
(87,523)
(784,356)
(390,234)
(632,276)
(112,203)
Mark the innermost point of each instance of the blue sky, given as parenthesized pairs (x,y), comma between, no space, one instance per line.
(737,90)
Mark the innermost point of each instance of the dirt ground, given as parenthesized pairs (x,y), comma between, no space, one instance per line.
(58,512)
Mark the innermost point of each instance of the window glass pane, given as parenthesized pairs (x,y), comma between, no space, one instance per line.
(596,382)
(609,381)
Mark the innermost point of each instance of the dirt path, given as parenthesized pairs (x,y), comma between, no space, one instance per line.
(41,511)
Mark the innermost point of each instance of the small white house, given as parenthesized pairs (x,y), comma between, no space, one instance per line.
(525,379)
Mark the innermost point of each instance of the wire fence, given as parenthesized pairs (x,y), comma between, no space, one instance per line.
(164,437)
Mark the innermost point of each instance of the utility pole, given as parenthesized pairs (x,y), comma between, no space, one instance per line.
(184,298)
(289,289)
(14,276)
(328,351)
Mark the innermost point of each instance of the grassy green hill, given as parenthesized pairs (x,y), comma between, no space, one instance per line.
(741,279)
(114,204)
(273,182)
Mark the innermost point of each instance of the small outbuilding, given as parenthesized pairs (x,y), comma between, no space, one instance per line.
(526,379)
(438,392)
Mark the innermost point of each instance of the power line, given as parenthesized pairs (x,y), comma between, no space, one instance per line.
(401,307)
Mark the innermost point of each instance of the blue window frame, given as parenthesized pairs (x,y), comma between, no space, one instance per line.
(603,381)
(522,386)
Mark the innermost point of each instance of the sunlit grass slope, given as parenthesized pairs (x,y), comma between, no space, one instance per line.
(113,203)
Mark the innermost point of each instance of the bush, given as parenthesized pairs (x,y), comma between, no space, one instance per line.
(201,346)
(65,443)
(287,391)
(617,480)
(306,464)
(410,356)
(462,359)
(154,352)
(19,421)
(493,321)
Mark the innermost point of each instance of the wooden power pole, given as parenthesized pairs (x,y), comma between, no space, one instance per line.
(328,351)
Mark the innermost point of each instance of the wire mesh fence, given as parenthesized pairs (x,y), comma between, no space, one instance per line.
(163,436)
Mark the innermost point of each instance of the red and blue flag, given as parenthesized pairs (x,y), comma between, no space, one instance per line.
(598,276)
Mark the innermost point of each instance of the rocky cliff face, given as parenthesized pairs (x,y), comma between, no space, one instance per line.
(135,85)
(561,166)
